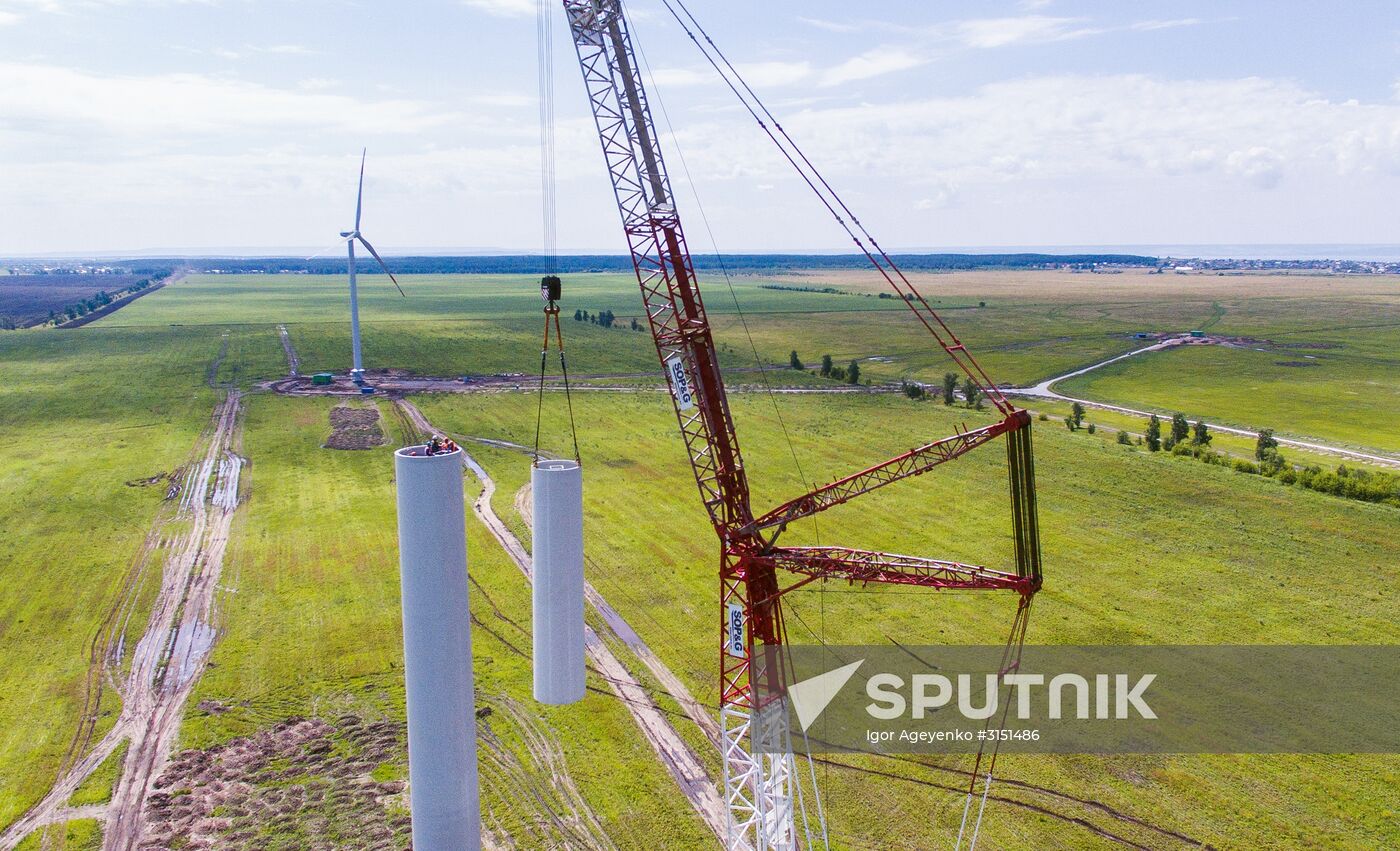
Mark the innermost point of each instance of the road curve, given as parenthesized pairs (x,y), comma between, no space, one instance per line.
(1046,390)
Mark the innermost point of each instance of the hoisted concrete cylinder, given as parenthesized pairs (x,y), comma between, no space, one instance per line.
(557,489)
(437,649)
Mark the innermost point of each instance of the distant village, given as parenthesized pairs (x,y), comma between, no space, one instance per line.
(1076,263)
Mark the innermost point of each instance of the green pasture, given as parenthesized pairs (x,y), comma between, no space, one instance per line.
(83,412)
(1348,395)
(312,628)
(1138,549)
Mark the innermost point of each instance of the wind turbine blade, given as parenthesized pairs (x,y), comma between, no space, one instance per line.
(360,195)
(328,249)
(382,264)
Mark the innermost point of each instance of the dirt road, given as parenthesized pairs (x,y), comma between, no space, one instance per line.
(172,651)
(1045,390)
(293,361)
(685,767)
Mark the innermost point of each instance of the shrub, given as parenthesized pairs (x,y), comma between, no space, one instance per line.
(1092,428)
(950,387)
(1124,438)
(1242,466)
(1264,442)
(1043,417)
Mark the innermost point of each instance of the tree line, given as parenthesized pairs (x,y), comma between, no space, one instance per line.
(102,299)
(606,319)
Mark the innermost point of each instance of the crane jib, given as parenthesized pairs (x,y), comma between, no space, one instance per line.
(751,630)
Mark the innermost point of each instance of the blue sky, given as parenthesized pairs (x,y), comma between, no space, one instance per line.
(140,124)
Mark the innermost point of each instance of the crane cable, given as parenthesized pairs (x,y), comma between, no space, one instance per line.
(1010,661)
(792,449)
(729,282)
(544,45)
(829,198)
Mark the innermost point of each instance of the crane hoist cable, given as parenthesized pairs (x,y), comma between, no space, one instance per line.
(835,205)
(550,285)
(886,266)
(550,291)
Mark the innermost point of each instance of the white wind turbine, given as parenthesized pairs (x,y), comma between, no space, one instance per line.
(357,373)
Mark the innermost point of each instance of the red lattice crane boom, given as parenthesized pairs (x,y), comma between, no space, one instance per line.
(758,788)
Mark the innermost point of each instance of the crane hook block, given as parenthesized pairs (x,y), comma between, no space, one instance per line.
(550,288)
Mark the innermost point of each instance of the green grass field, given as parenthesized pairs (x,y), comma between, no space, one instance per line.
(1346,396)
(1139,548)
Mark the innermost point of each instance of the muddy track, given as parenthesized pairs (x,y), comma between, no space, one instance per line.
(293,361)
(561,816)
(173,650)
(677,756)
(211,372)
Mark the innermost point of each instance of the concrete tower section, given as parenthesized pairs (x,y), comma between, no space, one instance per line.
(557,490)
(442,770)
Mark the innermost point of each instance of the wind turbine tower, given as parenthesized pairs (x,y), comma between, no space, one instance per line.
(357,372)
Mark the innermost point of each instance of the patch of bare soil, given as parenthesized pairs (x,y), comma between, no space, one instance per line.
(301,784)
(355,428)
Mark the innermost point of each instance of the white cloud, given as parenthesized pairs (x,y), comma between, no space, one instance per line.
(1027,29)
(988,33)
(872,63)
(505,8)
(838,26)
(7,18)
(62,102)
(1144,26)
(287,49)
(765,74)
(1259,165)
(1251,132)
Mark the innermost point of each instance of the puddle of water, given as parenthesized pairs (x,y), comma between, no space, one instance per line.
(193,642)
(226,486)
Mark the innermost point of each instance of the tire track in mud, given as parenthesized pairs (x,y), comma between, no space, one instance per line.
(293,361)
(172,651)
(675,754)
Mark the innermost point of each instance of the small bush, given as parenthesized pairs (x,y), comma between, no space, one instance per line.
(1124,438)
(1043,417)
(1092,428)
(1242,466)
